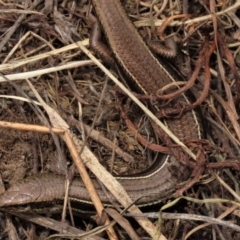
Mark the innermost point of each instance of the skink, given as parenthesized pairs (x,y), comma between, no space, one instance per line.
(147,74)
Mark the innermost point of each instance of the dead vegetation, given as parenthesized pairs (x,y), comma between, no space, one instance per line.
(53,89)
